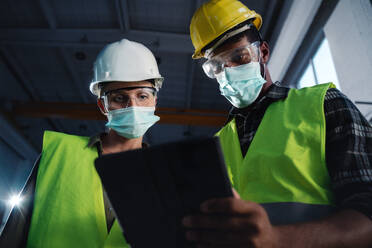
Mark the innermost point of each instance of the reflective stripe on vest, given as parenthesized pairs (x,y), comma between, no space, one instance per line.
(293,212)
(68,205)
(285,162)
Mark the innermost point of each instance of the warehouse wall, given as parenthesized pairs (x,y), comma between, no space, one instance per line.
(291,36)
(349,33)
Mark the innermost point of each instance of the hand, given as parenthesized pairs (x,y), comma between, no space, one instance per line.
(231,222)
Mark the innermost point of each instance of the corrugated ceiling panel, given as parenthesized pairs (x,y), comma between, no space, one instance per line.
(174,69)
(21,13)
(11,89)
(47,74)
(85,14)
(161,15)
(81,61)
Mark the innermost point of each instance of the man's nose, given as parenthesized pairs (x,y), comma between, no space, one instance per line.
(131,102)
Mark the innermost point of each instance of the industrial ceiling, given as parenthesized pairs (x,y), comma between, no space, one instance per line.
(47,49)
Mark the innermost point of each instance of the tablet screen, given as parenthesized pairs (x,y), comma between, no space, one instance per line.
(152,189)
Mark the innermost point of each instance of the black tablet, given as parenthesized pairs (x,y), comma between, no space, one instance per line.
(152,189)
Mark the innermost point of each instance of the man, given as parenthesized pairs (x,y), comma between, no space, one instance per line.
(70,206)
(300,160)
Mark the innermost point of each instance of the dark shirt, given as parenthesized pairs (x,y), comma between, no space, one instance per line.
(348,144)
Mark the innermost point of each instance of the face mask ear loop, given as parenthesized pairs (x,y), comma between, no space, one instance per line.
(264,65)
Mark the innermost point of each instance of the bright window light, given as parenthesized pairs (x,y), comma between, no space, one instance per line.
(15,200)
(307,78)
(324,66)
(320,68)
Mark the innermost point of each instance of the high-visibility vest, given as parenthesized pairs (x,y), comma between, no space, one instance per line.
(284,168)
(68,205)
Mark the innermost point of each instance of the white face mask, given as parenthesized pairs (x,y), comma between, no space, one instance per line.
(241,84)
(131,122)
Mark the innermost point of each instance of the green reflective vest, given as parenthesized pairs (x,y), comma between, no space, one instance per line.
(68,205)
(284,168)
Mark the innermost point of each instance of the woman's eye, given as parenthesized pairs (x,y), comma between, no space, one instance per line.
(143,97)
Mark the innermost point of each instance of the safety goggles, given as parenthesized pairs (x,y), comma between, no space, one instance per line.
(231,58)
(121,98)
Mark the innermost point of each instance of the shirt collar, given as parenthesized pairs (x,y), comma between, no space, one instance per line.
(96,140)
(277,92)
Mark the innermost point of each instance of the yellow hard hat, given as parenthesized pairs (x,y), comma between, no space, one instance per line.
(216,17)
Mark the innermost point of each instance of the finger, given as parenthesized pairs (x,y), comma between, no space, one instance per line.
(235,193)
(215,238)
(229,205)
(221,222)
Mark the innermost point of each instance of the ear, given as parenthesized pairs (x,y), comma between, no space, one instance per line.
(265,52)
(101,105)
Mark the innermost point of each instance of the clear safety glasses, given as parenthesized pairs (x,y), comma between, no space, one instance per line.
(123,97)
(231,58)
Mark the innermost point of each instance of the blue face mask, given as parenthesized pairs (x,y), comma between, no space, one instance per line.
(241,84)
(132,122)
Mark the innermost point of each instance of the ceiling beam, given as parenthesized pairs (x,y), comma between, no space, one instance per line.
(123,14)
(161,41)
(48,13)
(293,30)
(80,111)
(47,10)
(118,15)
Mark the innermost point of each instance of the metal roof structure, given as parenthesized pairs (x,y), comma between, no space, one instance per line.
(48,48)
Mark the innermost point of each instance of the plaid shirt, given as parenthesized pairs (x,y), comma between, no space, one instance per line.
(348,144)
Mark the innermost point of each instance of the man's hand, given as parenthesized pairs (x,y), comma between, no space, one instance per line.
(230,222)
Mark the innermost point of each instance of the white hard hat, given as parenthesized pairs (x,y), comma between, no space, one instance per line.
(124,61)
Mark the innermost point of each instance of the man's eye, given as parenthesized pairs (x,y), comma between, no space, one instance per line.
(119,98)
(242,58)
